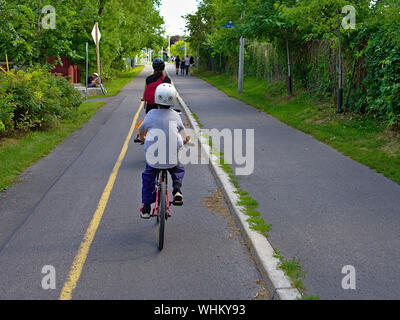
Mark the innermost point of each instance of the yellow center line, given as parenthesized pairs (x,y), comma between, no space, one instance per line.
(80,258)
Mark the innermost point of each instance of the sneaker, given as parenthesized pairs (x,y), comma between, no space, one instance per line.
(178,199)
(145,211)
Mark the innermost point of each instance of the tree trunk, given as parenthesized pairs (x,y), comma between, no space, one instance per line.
(102,4)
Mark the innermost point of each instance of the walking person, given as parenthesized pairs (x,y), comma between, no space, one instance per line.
(187,64)
(191,61)
(183,66)
(177,64)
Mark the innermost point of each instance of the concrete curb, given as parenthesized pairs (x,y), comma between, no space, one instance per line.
(277,283)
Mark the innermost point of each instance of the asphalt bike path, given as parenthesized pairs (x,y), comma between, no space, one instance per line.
(46,220)
(325,208)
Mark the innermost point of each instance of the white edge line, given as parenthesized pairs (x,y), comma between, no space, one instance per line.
(277,283)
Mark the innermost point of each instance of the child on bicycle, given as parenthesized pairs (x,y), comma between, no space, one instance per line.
(164,127)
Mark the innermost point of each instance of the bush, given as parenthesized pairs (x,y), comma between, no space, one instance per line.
(6,113)
(34,99)
(383,79)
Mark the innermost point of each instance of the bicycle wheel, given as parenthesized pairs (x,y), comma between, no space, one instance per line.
(103,89)
(162,213)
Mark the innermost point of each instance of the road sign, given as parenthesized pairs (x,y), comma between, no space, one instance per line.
(229,25)
(96,37)
(96,26)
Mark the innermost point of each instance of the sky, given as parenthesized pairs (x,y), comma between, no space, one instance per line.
(172,10)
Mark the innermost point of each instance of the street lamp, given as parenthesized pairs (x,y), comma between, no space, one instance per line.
(231,25)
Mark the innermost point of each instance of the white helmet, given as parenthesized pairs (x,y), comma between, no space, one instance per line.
(165,95)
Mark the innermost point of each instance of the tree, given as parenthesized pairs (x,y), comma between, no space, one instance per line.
(265,21)
(322,19)
(178,48)
(126,26)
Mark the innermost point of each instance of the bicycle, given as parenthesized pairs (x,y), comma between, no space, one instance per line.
(103,90)
(99,80)
(162,207)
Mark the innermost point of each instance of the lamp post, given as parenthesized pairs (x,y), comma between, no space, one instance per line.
(87,69)
(241,66)
(231,25)
(169,47)
(340,84)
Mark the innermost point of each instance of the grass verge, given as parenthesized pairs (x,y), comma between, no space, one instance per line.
(291,268)
(360,137)
(114,85)
(18,153)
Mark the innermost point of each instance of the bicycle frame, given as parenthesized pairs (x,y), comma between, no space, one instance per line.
(162,175)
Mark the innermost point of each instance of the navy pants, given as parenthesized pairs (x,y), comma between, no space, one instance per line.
(149,176)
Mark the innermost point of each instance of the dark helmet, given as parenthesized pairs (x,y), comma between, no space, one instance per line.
(158,64)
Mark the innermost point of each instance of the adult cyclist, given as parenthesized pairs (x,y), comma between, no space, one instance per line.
(152,82)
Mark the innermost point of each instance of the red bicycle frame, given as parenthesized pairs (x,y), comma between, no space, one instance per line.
(158,190)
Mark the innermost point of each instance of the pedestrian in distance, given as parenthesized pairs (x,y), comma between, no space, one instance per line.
(191,61)
(93,80)
(187,64)
(183,67)
(177,64)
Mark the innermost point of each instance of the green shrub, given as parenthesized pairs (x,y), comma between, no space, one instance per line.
(383,79)
(6,113)
(33,99)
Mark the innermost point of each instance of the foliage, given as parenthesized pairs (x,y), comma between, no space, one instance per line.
(380,92)
(309,29)
(33,99)
(360,137)
(126,26)
(176,49)
(17,154)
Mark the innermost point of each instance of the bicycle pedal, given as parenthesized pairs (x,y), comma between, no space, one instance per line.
(177,203)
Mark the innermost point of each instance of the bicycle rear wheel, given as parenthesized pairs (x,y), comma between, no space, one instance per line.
(162,213)
(103,89)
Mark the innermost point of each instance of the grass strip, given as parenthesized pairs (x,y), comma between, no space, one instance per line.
(361,137)
(291,268)
(19,152)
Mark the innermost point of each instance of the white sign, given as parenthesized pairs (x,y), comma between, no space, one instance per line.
(94,33)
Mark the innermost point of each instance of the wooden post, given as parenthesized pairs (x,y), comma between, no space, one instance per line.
(8,68)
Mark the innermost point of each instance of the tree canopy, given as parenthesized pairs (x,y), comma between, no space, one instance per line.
(126,26)
(304,35)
